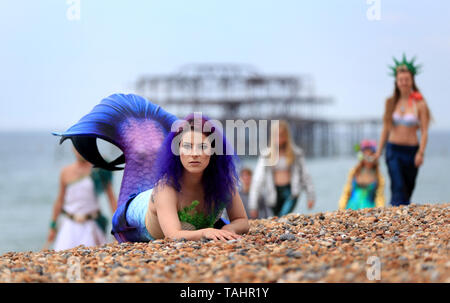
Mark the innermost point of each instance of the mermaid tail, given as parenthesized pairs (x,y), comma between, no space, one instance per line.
(138,128)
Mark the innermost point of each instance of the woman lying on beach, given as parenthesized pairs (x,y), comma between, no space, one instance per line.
(193,190)
(365,183)
(177,181)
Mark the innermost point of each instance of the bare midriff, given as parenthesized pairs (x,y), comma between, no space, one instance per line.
(403,135)
(281,177)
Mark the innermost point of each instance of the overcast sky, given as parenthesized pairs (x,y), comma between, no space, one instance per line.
(54,70)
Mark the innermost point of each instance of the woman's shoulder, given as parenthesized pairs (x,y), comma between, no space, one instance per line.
(421,104)
(67,173)
(164,191)
(68,168)
(389,99)
(352,171)
(298,151)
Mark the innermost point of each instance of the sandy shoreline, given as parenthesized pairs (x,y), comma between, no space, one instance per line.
(410,244)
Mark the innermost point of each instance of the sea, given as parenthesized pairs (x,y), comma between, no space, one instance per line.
(30,164)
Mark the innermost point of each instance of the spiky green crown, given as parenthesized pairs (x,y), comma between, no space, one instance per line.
(414,69)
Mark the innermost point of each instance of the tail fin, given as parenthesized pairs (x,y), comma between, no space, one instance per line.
(134,125)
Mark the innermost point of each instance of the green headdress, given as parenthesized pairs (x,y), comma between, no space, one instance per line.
(414,69)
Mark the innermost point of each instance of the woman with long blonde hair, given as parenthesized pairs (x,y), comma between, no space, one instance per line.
(280,174)
(406,112)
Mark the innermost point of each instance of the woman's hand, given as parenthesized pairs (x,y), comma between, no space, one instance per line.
(377,156)
(310,204)
(219,234)
(418,160)
(51,235)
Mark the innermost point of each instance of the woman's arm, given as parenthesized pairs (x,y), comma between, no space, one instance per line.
(424,121)
(57,207)
(165,200)
(111,197)
(383,139)
(237,215)
(384,135)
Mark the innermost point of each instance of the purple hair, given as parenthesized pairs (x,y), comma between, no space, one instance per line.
(220,178)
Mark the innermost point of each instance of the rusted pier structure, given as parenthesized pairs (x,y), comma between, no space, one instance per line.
(240,92)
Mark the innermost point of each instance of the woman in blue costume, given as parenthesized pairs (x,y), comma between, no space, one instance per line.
(179,175)
(365,183)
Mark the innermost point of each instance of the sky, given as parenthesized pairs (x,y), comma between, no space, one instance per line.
(53,69)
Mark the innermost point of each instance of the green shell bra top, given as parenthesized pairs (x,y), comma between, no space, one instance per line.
(197,220)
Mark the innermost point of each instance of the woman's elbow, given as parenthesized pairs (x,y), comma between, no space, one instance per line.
(171,235)
(246,226)
(239,226)
(247,229)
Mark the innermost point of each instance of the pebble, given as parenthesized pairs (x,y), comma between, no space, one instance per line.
(294,254)
(411,244)
(287,237)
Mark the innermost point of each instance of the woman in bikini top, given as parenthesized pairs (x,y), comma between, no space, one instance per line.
(406,119)
(406,112)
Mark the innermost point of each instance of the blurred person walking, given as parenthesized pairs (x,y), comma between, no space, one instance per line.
(246,179)
(82,222)
(280,175)
(405,113)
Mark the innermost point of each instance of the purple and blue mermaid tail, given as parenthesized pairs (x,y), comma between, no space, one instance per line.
(136,126)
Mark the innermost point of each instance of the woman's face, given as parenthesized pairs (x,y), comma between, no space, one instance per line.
(246,178)
(404,82)
(195,151)
(368,158)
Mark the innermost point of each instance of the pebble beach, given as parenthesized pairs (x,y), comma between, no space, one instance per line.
(393,244)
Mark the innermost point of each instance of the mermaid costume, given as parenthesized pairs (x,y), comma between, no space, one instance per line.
(357,196)
(138,128)
(362,196)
